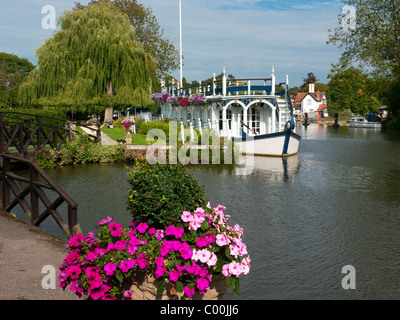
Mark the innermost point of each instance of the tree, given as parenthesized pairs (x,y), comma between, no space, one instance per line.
(318,87)
(13,70)
(374,41)
(149,33)
(93,63)
(350,89)
(311,78)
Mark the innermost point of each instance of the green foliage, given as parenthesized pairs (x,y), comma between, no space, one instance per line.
(13,70)
(93,62)
(159,193)
(83,150)
(353,90)
(374,42)
(148,32)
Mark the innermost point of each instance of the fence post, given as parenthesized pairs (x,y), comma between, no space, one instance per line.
(6,186)
(74,227)
(33,177)
(38,134)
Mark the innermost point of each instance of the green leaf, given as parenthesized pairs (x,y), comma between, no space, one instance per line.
(179,286)
(161,287)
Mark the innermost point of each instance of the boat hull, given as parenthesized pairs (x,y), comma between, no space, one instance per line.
(364,125)
(279,144)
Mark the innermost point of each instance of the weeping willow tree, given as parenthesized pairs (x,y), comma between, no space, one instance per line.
(94,63)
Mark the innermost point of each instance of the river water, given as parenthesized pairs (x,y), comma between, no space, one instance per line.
(335,204)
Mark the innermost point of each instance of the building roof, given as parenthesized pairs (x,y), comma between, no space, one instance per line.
(318,96)
(322,107)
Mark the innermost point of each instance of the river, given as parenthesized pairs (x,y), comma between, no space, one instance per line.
(335,204)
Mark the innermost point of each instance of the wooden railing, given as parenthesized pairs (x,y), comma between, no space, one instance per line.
(19,131)
(37,181)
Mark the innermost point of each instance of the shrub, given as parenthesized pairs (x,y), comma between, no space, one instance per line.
(160,193)
(82,150)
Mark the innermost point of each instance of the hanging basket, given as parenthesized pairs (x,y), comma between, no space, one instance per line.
(144,287)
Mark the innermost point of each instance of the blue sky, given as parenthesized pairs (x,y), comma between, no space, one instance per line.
(247,37)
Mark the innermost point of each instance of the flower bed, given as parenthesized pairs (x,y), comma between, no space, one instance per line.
(184,258)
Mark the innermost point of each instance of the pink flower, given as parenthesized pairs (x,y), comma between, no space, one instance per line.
(160,271)
(127,294)
(201,242)
(178,232)
(174,275)
(159,235)
(189,292)
(73,272)
(132,249)
(225,271)
(210,238)
(120,245)
(235,268)
(127,265)
(116,229)
(159,261)
(170,230)
(75,241)
(142,227)
(186,216)
(202,284)
(222,240)
(152,231)
(104,221)
(185,251)
(204,255)
(94,277)
(141,261)
(213,260)
(110,268)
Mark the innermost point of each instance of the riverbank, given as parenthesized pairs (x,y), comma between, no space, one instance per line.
(324,121)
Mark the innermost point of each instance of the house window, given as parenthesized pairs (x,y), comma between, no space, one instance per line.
(228,119)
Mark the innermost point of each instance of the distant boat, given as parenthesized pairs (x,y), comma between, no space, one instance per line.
(368,121)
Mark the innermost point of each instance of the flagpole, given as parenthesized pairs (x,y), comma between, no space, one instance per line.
(180,42)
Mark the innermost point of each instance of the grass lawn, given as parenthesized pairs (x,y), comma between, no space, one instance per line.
(118,133)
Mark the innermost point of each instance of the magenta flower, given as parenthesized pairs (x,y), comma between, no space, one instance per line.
(116,229)
(110,268)
(159,261)
(202,284)
(170,230)
(160,271)
(75,241)
(189,292)
(127,294)
(174,275)
(142,227)
(178,232)
(120,245)
(73,272)
(201,242)
(141,261)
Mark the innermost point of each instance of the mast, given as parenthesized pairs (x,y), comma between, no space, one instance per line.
(180,42)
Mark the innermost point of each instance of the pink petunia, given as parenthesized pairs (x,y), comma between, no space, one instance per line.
(141,261)
(110,268)
(202,284)
(160,271)
(169,231)
(104,221)
(178,232)
(73,272)
(116,229)
(222,240)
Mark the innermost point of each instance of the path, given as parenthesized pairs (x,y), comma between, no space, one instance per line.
(24,251)
(105,139)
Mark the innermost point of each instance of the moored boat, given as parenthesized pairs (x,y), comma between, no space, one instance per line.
(259,120)
(368,121)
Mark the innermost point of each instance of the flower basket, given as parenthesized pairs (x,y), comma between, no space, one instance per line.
(196,259)
(144,286)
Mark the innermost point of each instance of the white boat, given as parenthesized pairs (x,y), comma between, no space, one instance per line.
(368,121)
(259,120)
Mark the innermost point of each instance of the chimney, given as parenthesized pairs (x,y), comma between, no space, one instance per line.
(311,88)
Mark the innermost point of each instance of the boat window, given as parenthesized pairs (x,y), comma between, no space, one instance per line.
(253,119)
